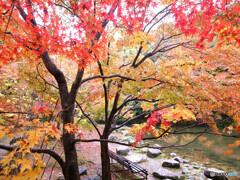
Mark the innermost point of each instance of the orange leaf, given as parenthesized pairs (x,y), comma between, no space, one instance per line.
(228,152)
(58,119)
(47,113)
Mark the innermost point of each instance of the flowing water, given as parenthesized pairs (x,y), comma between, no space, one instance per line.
(208,148)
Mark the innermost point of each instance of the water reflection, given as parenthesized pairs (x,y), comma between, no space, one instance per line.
(208,148)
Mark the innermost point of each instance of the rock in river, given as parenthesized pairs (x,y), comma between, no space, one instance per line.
(163,173)
(137,158)
(123,150)
(171,164)
(152,153)
(215,174)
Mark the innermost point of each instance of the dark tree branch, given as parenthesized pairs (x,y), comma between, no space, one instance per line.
(108,124)
(116,117)
(76,84)
(123,65)
(49,64)
(194,49)
(105,91)
(141,116)
(136,99)
(24,44)
(105,21)
(125,144)
(137,55)
(9,19)
(106,77)
(125,102)
(5,12)
(131,108)
(5,112)
(163,49)
(58,75)
(160,12)
(45,151)
(94,125)
(46,82)
(159,21)
(205,132)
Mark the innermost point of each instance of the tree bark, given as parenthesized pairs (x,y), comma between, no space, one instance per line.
(70,171)
(106,172)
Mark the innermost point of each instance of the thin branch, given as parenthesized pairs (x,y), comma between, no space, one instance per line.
(105,90)
(48,158)
(123,65)
(163,49)
(5,12)
(159,21)
(124,113)
(43,77)
(108,124)
(160,12)
(105,21)
(54,167)
(171,146)
(125,144)
(89,119)
(141,115)
(19,112)
(137,55)
(194,49)
(106,77)
(136,99)
(49,64)
(206,132)
(13,4)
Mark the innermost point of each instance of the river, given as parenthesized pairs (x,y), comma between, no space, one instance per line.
(208,148)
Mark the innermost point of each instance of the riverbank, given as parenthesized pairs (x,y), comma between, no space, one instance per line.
(193,169)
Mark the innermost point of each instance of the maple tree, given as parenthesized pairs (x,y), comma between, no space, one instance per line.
(83,46)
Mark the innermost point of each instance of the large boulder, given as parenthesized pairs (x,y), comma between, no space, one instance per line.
(215,174)
(163,173)
(123,150)
(152,153)
(180,160)
(137,158)
(171,164)
(113,138)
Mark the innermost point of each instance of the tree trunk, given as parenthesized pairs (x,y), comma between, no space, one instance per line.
(106,172)
(71,171)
